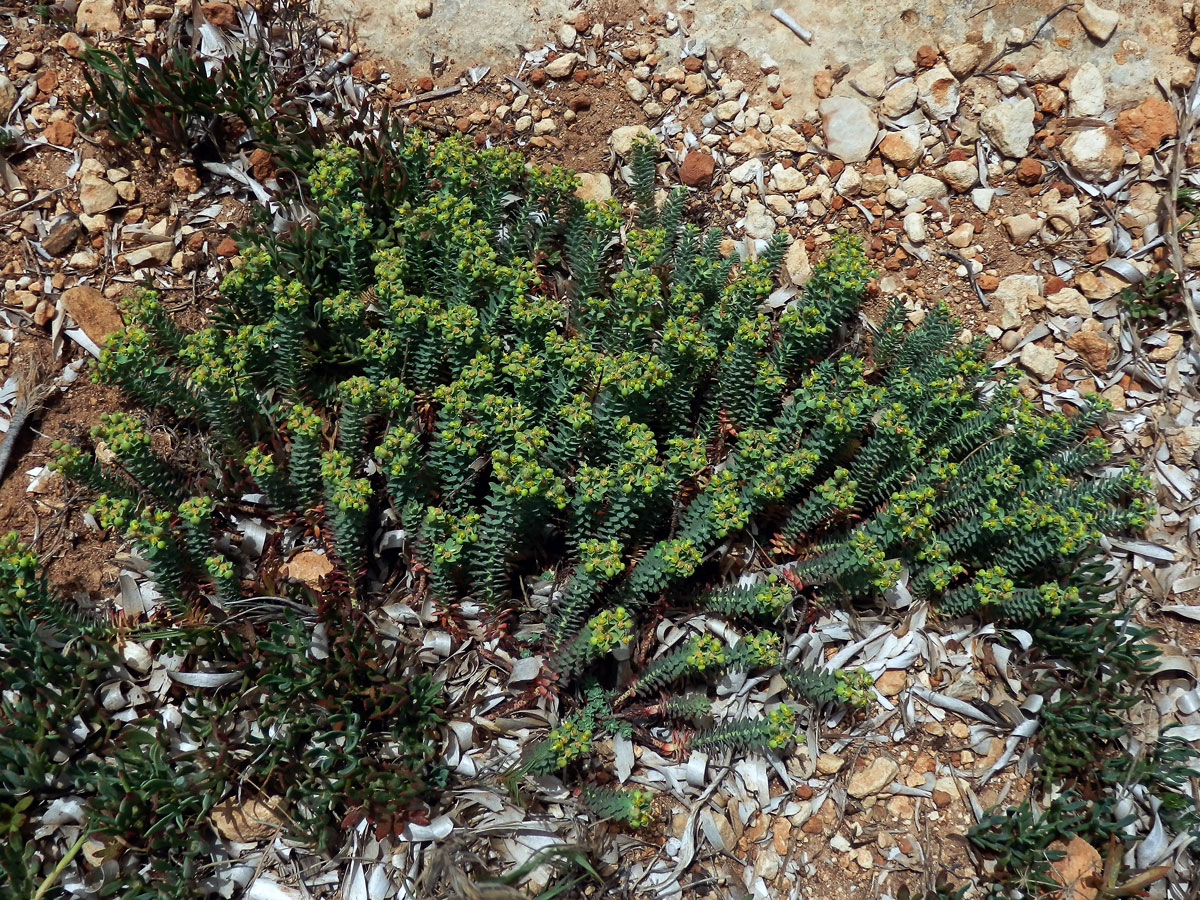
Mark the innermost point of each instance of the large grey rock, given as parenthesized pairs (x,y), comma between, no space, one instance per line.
(97,15)
(149,254)
(922,187)
(1068,302)
(759,221)
(8,95)
(637,90)
(96,195)
(1021,228)
(1096,152)
(849,126)
(92,311)
(562,66)
(899,99)
(788,180)
(1052,67)
(784,137)
(914,227)
(796,263)
(872,80)
(938,93)
(1016,296)
(621,140)
(1099,22)
(874,778)
(1087,91)
(1039,362)
(960,174)
(964,59)
(904,147)
(594,186)
(746,172)
(1009,126)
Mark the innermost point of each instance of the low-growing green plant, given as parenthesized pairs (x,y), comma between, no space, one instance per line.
(332,736)
(458,344)
(178,100)
(1158,294)
(183,95)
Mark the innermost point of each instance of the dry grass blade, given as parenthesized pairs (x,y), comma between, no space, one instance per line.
(1187,124)
(32,392)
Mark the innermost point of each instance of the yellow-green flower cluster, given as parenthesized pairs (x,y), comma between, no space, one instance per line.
(123,435)
(535,311)
(250,271)
(1054,596)
(151,528)
(302,419)
(838,490)
(593,484)
(686,340)
(644,247)
(633,374)
(705,651)
(525,478)
(776,596)
(680,556)
(727,511)
(855,687)
(70,460)
(260,464)
(352,495)
(993,586)
(523,366)
(764,648)
(601,557)
(456,534)
(343,309)
(220,568)
(610,629)
(397,452)
(913,511)
(869,557)
(290,296)
(334,174)
(568,742)
(686,456)
(353,220)
(640,804)
(18,569)
(112,512)
(356,390)
(783,726)
(196,510)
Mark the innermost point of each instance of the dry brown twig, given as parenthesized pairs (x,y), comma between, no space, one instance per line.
(32,392)
(1189,116)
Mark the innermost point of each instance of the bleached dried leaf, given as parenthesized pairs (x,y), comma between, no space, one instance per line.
(437,830)
(249,821)
(204,679)
(267,888)
(525,669)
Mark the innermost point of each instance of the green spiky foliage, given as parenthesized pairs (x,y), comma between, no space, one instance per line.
(774,731)
(632,806)
(130,443)
(1096,661)
(43,691)
(330,736)
(460,345)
